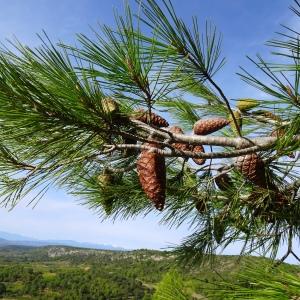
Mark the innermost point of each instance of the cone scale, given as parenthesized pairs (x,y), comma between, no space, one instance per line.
(178,146)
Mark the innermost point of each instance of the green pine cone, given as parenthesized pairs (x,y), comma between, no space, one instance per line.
(110,106)
(219,229)
(239,121)
(246,104)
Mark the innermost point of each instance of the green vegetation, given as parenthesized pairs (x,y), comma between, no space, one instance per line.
(70,273)
(75,273)
(259,282)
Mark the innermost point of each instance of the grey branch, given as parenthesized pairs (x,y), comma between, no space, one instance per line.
(266,120)
(188,154)
(262,143)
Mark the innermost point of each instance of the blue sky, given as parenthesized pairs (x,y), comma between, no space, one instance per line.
(245,26)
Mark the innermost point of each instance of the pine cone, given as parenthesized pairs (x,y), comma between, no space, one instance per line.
(253,168)
(111,108)
(178,146)
(175,129)
(200,206)
(246,104)
(107,204)
(223,181)
(152,175)
(109,105)
(207,126)
(105,179)
(239,121)
(199,149)
(155,119)
(280,199)
(219,229)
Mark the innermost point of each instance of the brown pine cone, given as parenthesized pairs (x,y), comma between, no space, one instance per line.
(156,120)
(178,146)
(198,149)
(175,129)
(280,199)
(200,206)
(207,126)
(253,168)
(152,175)
(223,181)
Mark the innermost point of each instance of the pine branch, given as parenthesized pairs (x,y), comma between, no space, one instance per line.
(68,115)
(263,142)
(189,154)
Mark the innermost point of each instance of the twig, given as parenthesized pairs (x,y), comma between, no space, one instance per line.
(289,250)
(188,154)
(263,142)
(296,256)
(266,120)
(224,171)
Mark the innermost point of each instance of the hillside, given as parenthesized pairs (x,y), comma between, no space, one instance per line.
(75,273)
(7,239)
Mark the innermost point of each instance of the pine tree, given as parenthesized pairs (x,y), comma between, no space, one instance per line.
(83,118)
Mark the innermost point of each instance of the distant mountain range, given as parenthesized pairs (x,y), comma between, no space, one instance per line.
(9,239)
